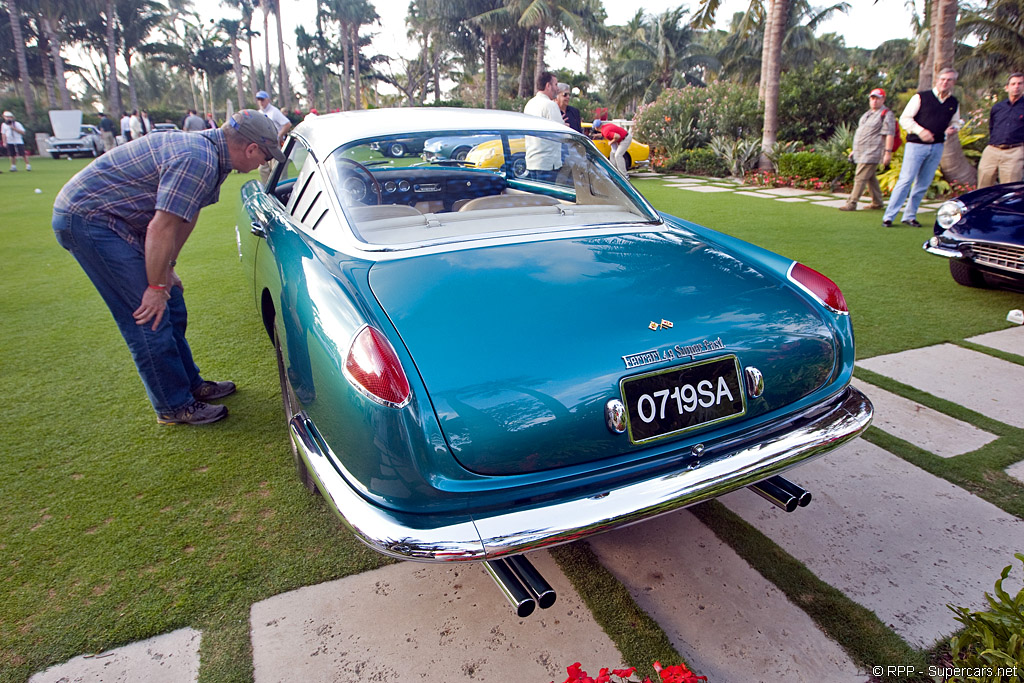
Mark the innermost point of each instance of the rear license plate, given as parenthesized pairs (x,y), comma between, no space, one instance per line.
(667,402)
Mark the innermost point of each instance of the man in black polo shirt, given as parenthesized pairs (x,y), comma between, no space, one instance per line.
(930,116)
(1003,158)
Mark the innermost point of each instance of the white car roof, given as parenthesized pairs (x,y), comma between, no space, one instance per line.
(327,132)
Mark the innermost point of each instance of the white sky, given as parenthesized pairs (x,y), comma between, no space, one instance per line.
(867,24)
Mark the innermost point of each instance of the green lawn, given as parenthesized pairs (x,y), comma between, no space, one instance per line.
(114,528)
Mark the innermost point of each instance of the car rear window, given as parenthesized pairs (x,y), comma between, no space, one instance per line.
(407,191)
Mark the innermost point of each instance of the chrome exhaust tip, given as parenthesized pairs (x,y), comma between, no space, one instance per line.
(540,590)
(511,587)
(802,495)
(782,493)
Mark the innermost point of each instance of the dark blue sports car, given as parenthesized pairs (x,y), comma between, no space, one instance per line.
(982,235)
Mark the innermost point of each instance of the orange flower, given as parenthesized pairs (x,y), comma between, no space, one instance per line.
(668,119)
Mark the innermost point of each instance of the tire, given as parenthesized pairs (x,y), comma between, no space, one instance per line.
(965,274)
(291,407)
(396,149)
(519,166)
(460,154)
(55,156)
(95,153)
(629,161)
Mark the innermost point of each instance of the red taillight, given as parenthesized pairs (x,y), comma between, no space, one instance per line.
(372,366)
(818,286)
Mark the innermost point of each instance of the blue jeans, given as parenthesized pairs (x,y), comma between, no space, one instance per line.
(118,271)
(920,162)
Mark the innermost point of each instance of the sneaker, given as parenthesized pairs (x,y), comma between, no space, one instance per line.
(13,168)
(211,391)
(197,413)
(886,224)
(28,167)
(848,207)
(912,223)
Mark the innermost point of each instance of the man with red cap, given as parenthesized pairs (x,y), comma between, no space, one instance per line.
(872,145)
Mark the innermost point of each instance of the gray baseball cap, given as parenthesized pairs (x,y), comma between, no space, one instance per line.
(255,127)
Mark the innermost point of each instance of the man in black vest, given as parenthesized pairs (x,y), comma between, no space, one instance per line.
(930,116)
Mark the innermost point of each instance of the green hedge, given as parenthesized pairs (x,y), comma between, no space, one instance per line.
(811,165)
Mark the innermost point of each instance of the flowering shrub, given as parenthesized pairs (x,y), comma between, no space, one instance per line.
(808,165)
(770,179)
(695,161)
(670,674)
(687,118)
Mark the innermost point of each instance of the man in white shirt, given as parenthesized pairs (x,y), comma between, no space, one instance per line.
(930,116)
(543,156)
(279,119)
(126,127)
(13,134)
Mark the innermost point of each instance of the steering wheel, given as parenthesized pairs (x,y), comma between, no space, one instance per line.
(373,181)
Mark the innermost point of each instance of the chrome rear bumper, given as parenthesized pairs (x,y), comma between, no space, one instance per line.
(817,431)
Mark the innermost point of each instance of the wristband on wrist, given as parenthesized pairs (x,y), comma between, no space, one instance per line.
(159,287)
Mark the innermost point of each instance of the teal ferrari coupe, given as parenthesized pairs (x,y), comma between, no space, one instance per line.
(476,363)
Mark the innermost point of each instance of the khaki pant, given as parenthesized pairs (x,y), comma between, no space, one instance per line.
(108,141)
(1005,164)
(264,174)
(867,174)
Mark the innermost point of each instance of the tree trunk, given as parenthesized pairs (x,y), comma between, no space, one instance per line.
(266,44)
(58,63)
(132,95)
(252,68)
(955,166)
(356,75)
(780,11)
(282,71)
(344,67)
(236,59)
(44,57)
(522,71)
(587,62)
(539,66)
(113,87)
(943,35)
(769,30)
(19,49)
(326,82)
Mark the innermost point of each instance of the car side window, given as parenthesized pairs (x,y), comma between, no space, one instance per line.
(308,203)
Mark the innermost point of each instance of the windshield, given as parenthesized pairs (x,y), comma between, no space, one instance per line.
(431,187)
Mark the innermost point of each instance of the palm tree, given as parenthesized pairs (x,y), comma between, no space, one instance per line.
(19,48)
(998,30)
(113,87)
(282,70)
(493,18)
(560,15)
(661,53)
(53,13)
(247,9)
(267,7)
(137,19)
(772,75)
(231,28)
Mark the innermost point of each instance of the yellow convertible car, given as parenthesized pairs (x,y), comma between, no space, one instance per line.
(491,155)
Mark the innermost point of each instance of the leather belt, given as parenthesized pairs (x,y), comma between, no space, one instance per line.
(1019,144)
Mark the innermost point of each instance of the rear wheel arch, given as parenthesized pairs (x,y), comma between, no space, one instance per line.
(268,313)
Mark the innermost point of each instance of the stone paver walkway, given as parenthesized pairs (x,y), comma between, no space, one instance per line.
(170,658)
(726,620)
(425,622)
(780,194)
(892,537)
(931,430)
(1010,340)
(988,385)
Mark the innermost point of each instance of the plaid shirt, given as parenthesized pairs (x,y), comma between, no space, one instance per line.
(171,171)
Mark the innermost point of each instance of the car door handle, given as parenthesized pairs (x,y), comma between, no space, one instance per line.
(258,230)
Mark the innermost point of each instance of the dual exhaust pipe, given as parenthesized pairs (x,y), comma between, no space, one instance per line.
(521,584)
(526,590)
(782,493)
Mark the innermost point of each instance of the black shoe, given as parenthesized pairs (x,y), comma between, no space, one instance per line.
(211,391)
(197,413)
(886,224)
(912,223)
